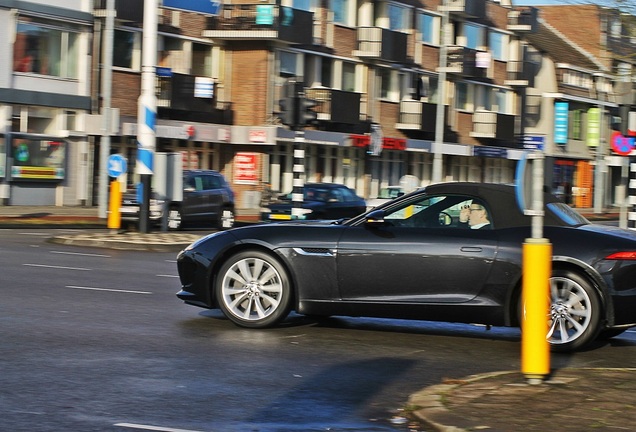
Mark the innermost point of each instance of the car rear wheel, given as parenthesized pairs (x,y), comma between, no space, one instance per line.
(227,219)
(174,219)
(575,311)
(253,290)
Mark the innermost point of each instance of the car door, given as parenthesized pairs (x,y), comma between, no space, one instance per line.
(194,198)
(213,197)
(432,259)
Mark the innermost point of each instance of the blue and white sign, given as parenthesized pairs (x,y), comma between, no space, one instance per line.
(207,7)
(533,142)
(117,165)
(561,122)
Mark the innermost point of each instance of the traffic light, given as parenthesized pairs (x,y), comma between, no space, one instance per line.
(306,115)
(287,112)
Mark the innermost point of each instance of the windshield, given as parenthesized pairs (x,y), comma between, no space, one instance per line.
(567,214)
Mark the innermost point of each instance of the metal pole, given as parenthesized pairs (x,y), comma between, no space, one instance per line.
(436,176)
(147,110)
(599,172)
(107,80)
(299,174)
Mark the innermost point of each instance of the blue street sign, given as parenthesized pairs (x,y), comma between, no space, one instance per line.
(117,165)
(208,7)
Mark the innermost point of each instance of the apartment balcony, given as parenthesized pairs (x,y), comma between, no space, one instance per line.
(523,20)
(190,98)
(419,116)
(465,8)
(468,62)
(493,125)
(381,44)
(336,106)
(519,73)
(261,21)
(126,10)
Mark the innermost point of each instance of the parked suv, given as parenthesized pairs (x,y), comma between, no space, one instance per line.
(207,199)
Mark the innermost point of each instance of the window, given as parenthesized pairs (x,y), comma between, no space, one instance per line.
(326,67)
(348,76)
(126,52)
(201,60)
(429,27)
(443,211)
(306,5)
(473,36)
(288,64)
(341,11)
(388,84)
(398,17)
(498,42)
(46,48)
(462,100)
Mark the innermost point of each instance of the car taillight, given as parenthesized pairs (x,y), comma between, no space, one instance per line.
(627,255)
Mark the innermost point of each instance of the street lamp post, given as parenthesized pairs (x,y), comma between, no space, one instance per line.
(436,175)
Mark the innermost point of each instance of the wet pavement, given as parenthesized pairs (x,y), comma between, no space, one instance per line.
(567,400)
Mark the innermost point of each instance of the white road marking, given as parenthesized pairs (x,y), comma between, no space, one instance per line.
(108,289)
(56,267)
(35,233)
(168,276)
(152,428)
(171,261)
(82,254)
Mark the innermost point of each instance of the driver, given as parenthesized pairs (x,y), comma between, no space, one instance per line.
(475,214)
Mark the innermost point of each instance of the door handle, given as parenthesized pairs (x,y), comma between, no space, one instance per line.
(471,249)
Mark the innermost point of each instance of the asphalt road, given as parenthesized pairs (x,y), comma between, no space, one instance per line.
(96,340)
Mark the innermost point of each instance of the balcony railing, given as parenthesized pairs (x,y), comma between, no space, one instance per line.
(261,21)
(523,20)
(466,8)
(468,62)
(127,10)
(519,73)
(382,44)
(336,105)
(417,115)
(488,124)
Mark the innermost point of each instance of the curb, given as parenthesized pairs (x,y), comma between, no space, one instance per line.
(153,242)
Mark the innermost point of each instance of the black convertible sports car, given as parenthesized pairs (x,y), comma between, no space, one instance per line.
(416,258)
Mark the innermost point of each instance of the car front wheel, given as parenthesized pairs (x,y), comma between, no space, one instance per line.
(253,290)
(575,311)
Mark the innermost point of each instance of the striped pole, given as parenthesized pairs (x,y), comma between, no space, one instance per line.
(147,112)
(299,174)
(631,216)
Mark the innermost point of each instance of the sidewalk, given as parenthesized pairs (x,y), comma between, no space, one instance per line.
(570,400)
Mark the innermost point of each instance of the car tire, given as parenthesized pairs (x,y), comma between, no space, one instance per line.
(175,221)
(226,221)
(575,311)
(253,290)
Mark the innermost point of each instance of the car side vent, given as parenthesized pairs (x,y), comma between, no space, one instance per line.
(314,251)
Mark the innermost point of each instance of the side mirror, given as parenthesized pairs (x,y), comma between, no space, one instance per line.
(375,217)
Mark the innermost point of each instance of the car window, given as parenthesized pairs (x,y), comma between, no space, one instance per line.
(440,211)
(348,195)
(212,182)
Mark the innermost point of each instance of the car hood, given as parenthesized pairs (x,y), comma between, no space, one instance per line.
(627,234)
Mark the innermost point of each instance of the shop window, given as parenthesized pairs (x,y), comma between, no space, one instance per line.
(46,49)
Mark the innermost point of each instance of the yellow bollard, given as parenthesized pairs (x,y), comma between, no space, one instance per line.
(535,349)
(114,215)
